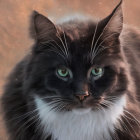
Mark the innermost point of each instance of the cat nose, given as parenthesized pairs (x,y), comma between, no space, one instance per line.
(82,96)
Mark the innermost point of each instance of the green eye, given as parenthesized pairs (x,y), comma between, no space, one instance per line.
(97,72)
(63,72)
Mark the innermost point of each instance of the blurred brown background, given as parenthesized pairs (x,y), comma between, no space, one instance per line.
(14,23)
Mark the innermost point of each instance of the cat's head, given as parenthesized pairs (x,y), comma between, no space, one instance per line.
(78,63)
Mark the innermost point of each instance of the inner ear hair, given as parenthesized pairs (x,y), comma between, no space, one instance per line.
(114,22)
(41,28)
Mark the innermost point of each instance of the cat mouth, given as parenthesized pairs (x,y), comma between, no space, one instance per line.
(86,104)
(76,106)
(84,107)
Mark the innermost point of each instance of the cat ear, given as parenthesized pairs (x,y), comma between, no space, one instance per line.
(41,27)
(114,22)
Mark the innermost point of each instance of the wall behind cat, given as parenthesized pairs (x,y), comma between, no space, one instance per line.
(14,24)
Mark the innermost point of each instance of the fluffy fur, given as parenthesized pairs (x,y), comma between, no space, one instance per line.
(80,124)
(40,105)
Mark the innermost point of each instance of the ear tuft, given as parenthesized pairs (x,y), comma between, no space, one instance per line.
(41,28)
(112,27)
(32,25)
(114,22)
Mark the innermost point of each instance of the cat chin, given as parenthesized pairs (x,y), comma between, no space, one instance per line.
(81,111)
(79,123)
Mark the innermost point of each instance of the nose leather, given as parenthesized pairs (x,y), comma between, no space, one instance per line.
(82,96)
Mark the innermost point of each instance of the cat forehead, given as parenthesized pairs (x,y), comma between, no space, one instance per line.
(76,29)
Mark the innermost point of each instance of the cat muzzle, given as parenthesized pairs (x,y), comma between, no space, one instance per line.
(82,96)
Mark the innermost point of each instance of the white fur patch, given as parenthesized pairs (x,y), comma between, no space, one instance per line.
(79,124)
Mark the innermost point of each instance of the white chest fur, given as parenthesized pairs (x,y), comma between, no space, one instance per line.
(89,125)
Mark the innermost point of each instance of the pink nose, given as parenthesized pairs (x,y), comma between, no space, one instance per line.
(82,96)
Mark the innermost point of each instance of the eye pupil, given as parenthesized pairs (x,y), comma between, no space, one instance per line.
(97,72)
(62,72)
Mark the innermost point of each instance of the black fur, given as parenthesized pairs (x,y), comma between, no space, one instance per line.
(35,74)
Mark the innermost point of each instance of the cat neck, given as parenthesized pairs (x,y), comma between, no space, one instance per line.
(97,125)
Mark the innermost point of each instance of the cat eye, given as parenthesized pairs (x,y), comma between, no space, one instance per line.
(97,72)
(63,73)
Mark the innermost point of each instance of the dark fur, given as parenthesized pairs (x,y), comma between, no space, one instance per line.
(35,73)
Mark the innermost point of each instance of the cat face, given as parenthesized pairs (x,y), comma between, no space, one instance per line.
(77,64)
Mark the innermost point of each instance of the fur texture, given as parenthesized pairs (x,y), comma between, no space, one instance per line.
(38,104)
(80,124)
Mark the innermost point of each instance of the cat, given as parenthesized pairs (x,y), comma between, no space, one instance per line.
(80,81)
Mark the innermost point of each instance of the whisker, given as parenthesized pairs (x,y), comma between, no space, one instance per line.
(98,51)
(66,42)
(27,114)
(135,119)
(57,53)
(54,97)
(95,53)
(111,98)
(23,116)
(97,48)
(59,37)
(56,100)
(101,108)
(123,124)
(49,42)
(93,39)
(25,124)
(129,124)
(107,38)
(36,120)
(55,106)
